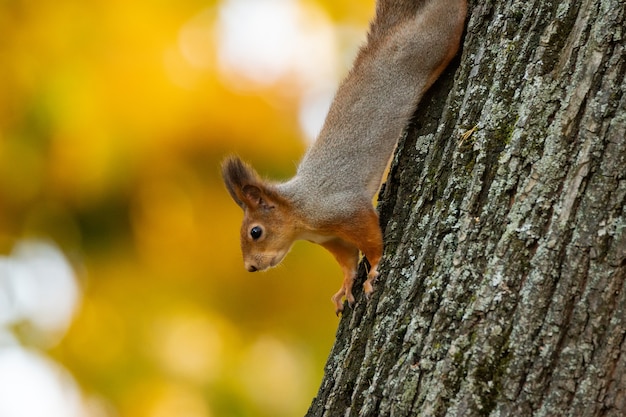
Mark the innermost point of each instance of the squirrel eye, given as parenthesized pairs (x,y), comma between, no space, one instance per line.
(256,232)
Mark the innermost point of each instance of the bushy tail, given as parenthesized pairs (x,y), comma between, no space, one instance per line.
(390,13)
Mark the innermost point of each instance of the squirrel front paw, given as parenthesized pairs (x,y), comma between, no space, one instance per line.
(337,299)
(368,285)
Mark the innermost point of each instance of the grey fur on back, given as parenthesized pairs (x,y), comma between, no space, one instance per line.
(407,43)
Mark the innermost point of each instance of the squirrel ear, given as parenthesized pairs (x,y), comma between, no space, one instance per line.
(244,185)
(257,197)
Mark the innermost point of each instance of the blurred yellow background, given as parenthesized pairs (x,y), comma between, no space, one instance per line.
(120,269)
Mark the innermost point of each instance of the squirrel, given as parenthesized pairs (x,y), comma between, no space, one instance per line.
(329,201)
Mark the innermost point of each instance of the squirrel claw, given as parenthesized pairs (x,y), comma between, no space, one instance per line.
(338,309)
(337,301)
(350,299)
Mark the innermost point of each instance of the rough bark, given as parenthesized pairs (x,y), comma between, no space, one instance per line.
(502,287)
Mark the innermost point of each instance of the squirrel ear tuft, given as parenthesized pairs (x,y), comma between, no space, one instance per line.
(236,175)
(244,185)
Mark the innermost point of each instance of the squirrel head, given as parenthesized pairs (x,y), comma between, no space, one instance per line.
(267,231)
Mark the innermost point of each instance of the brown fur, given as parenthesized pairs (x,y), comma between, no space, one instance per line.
(329,200)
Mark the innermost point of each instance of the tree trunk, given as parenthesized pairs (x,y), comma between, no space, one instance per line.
(502,286)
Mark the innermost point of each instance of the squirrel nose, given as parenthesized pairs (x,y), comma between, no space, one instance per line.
(252,268)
